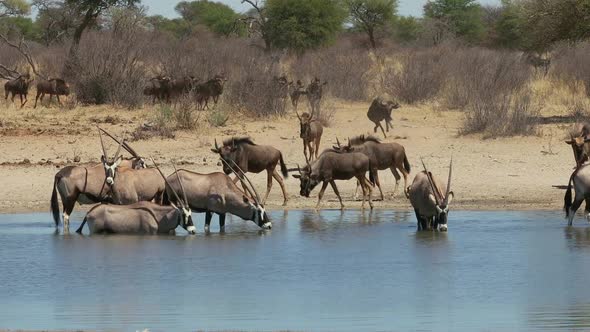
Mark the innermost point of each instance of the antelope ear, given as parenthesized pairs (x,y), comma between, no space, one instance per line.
(450,198)
(570,142)
(216,150)
(297,176)
(102,159)
(432,199)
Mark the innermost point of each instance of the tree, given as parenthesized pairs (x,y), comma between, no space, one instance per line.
(20,26)
(179,27)
(14,8)
(371,15)
(508,27)
(89,11)
(407,28)
(218,17)
(463,17)
(303,24)
(256,23)
(549,21)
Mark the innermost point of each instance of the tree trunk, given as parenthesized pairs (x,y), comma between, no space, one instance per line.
(73,62)
(371,34)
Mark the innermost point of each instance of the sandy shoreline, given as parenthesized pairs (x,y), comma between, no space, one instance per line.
(514,173)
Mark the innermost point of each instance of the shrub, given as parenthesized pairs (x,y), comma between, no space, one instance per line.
(572,67)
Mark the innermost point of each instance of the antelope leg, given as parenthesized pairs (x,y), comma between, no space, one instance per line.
(222,222)
(208,216)
(282,184)
(333,184)
(321,194)
(268,184)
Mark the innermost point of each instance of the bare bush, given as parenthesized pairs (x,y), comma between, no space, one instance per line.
(417,77)
(572,67)
(346,68)
(186,114)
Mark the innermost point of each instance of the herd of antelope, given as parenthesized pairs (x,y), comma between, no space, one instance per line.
(134,198)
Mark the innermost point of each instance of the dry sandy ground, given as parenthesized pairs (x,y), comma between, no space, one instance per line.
(506,173)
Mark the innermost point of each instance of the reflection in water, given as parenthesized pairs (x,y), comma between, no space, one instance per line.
(328,271)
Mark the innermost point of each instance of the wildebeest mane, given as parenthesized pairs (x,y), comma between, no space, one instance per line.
(238,141)
(358,140)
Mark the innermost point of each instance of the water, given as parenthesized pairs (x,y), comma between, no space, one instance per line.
(493,271)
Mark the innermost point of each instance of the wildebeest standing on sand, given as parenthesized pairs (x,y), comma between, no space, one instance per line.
(18,86)
(159,88)
(334,165)
(580,140)
(53,87)
(315,92)
(380,110)
(212,89)
(253,158)
(431,200)
(310,131)
(383,156)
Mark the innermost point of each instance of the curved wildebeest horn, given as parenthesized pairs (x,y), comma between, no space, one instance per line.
(298,117)
(181,185)
(104,150)
(125,145)
(168,183)
(449,183)
(252,194)
(432,185)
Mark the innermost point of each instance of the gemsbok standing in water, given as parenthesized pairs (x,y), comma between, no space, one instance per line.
(140,218)
(334,165)
(217,193)
(254,158)
(88,185)
(431,200)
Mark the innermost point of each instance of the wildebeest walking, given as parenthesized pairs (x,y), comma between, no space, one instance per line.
(380,110)
(315,92)
(310,131)
(140,218)
(53,87)
(253,158)
(217,193)
(18,86)
(431,200)
(383,156)
(332,166)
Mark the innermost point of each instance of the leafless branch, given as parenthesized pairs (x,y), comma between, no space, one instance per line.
(23,49)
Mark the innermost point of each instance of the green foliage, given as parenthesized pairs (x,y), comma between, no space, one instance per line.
(303,24)
(464,17)
(407,28)
(177,26)
(19,26)
(371,15)
(98,6)
(14,8)
(508,33)
(218,17)
(549,21)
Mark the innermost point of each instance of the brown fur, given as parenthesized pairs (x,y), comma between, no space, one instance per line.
(380,110)
(53,87)
(18,86)
(310,131)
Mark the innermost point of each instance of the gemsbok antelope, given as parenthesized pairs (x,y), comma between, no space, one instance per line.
(383,156)
(86,185)
(217,193)
(139,218)
(431,200)
(310,132)
(254,158)
(331,166)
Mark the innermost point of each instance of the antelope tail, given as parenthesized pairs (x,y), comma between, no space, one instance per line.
(407,164)
(79,230)
(567,199)
(54,202)
(283,167)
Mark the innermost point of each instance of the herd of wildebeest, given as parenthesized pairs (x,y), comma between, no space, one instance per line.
(134,198)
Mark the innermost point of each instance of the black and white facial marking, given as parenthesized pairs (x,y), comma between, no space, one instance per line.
(139,163)
(187,220)
(110,169)
(260,217)
(442,212)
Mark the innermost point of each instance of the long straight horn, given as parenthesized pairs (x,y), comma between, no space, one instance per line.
(239,178)
(181,185)
(125,145)
(118,149)
(167,183)
(104,150)
(247,179)
(337,142)
(432,186)
(449,182)
(216,146)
